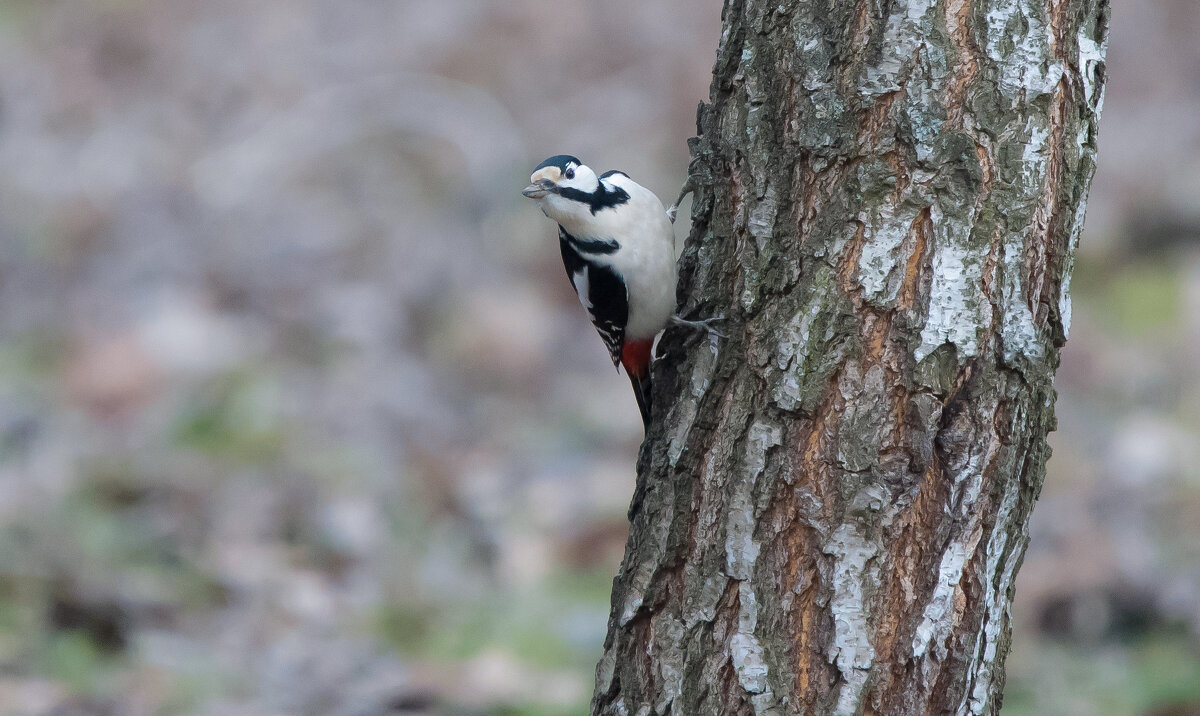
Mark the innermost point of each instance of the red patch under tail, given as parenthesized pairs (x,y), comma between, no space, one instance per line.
(635,357)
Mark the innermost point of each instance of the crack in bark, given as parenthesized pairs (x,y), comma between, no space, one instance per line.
(1042,270)
(958,22)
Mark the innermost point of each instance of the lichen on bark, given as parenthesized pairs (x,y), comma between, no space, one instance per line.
(833,501)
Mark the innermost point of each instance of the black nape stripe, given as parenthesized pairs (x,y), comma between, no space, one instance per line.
(602,198)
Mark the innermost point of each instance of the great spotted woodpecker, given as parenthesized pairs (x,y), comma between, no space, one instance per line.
(618,247)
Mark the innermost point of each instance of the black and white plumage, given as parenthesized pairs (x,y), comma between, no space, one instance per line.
(601,290)
(618,248)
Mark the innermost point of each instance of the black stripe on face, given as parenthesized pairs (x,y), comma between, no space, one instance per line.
(602,198)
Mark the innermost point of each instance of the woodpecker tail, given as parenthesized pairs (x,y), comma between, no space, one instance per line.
(635,357)
(641,391)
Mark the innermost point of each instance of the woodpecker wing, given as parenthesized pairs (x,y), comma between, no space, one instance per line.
(600,288)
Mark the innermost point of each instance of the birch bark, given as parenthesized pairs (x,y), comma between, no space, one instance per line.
(833,502)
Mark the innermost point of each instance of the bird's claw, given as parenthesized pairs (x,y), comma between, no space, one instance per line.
(704,324)
(687,188)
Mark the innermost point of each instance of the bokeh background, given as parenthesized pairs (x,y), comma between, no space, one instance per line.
(298,414)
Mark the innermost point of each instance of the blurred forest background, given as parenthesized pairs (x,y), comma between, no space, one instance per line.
(298,413)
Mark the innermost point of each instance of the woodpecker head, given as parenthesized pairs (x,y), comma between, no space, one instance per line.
(558,174)
(570,192)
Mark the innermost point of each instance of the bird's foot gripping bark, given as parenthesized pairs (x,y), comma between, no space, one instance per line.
(687,188)
(704,324)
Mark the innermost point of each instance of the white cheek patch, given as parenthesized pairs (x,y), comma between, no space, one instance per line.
(551,173)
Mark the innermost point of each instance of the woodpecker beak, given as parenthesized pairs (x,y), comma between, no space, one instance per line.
(540,188)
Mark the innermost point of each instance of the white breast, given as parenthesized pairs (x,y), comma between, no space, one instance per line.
(646,259)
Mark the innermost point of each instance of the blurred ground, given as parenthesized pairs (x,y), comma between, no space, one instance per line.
(298,415)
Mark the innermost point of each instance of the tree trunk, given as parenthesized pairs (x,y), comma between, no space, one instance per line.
(833,501)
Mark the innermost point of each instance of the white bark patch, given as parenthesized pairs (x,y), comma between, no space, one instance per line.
(1091,63)
(748,662)
(852,650)
(703,606)
(605,670)
(956,306)
(741,549)
(1091,60)
(1064,295)
(790,357)
(761,226)
(900,43)
(967,483)
(997,578)
(884,232)
(1064,291)
(701,378)
(866,419)
(1035,156)
(937,622)
(667,657)
(746,653)
(762,219)
(632,604)
(643,572)
(748,611)
(1020,334)
(872,498)
(1016,41)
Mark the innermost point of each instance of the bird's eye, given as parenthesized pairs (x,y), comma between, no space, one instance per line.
(569,173)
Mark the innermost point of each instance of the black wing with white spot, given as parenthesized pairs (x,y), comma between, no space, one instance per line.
(601,290)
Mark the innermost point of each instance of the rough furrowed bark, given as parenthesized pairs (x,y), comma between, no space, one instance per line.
(833,502)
